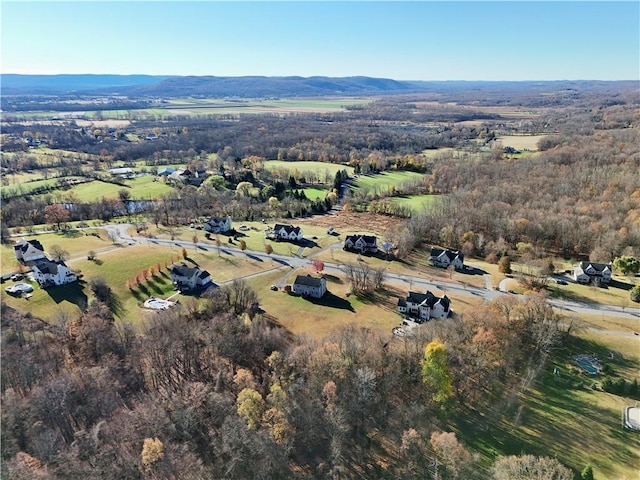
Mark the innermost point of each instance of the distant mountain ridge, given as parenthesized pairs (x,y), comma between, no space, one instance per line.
(211,86)
(16,84)
(167,86)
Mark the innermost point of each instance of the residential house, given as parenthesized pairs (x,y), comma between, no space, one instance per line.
(361,243)
(189,278)
(29,250)
(218,225)
(308,286)
(587,272)
(48,273)
(166,171)
(424,306)
(444,258)
(285,232)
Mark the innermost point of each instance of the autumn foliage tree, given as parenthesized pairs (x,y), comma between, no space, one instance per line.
(57,214)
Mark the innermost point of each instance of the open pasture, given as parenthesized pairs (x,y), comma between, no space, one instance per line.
(144,187)
(416,203)
(521,142)
(318,168)
(384,181)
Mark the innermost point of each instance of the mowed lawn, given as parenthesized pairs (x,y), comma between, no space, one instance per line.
(145,187)
(120,264)
(382,182)
(319,317)
(562,416)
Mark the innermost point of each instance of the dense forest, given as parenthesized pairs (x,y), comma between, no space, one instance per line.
(204,392)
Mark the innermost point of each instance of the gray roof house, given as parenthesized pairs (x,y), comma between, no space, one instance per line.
(308,286)
(423,306)
(444,257)
(284,232)
(189,278)
(361,243)
(587,272)
(218,225)
(28,250)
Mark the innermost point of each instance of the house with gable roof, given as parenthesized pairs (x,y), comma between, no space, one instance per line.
(445,257)
(48,273)
(218,225)
(29,251)
(189,278)
(285,232)
(308,286)
(361,243)
(423,306)
(587,272)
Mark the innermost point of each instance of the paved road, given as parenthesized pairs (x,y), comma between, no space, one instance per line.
(414,282)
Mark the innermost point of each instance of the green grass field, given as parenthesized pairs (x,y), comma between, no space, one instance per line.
(417,203)
(383,181)
(315,193)
(139,188)
(562,416)
(319,168)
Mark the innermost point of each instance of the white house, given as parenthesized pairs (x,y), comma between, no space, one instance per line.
(29,250)
(285,232)
(48,273)
(443,258)
(361,243)
(218,225)
(308,286)
(587,272)
(424,306)
(189,278)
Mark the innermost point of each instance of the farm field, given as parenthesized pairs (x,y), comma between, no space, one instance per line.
(521,142)
(190,106)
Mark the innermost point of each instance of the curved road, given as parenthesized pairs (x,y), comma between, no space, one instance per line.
(120,233)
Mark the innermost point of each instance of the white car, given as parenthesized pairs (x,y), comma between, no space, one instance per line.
(19,288)
(244,228)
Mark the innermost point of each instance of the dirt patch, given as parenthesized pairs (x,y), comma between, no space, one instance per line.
(351,221)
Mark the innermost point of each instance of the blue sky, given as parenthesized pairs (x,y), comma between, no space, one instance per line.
(412,40)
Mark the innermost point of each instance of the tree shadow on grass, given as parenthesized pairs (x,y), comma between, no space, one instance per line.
(71,292)
(115,305)
(331,300)
(71,233)
(159,278)
(138,296)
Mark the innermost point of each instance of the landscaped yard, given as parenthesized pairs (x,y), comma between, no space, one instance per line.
(317,318)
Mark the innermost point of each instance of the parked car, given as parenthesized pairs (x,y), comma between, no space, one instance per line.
(274,288)
(559,281)
(330,230)
(17,276)
(19,288)
(243,228)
